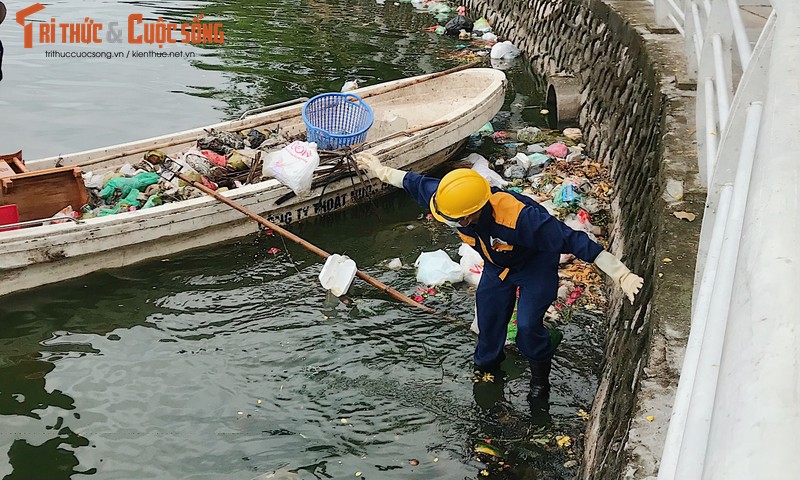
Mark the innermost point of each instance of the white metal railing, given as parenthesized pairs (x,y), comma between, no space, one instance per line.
(736,413)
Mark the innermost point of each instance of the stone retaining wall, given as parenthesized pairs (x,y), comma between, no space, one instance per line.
(628,107)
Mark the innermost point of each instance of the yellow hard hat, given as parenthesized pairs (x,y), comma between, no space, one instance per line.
(461,192)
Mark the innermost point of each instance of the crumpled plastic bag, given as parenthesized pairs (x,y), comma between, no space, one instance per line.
(293,166)
(489,37)
(471,264)
(558,150)
(458,23)
(481,165)
(125,185)
(486,130)
(504,50)
(580,222)
(439,7)
(436,268)
(215,158)
(481,25)
(565,195)
(530,135)
(573,133)
(93,180)
(221,142)
(198,162)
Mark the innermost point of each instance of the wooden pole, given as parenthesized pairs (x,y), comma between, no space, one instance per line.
(308,246)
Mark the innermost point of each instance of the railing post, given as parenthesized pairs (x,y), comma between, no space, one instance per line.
(750,89)
(714,65)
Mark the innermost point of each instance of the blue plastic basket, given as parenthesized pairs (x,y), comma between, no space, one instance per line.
(336,120)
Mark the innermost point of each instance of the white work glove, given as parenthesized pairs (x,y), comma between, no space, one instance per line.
(627,280)
(372,165)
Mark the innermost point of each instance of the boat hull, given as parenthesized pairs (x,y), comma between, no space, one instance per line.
(42,255)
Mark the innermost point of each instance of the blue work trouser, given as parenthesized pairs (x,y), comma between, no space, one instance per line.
(495,300)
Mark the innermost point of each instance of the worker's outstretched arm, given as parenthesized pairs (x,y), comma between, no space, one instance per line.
(627,280)
(372,165)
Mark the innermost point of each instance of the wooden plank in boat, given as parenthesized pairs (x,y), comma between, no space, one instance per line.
(14,162)
(44,193)
(6,170)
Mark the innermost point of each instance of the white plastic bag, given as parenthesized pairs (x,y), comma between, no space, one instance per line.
(523,160)
(481,165)
(293,166)
(395,264)
(504,50)
(93,180)
(581,225)
(436,268)
(471,264)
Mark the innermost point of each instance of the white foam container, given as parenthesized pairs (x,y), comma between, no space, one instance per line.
(337,274)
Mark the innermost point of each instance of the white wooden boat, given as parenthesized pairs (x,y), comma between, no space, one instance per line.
(35,256)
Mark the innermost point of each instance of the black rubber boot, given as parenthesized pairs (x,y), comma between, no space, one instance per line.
(492,368)
(488,391)
(540,380)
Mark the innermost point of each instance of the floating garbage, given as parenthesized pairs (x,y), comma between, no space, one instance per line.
(437,268)
(504,50)
(394,264)
(573,133)
(349,85)
(558,150)
(481,25)
(489,37)
(481,165)
(531,135)
(337,274)
(459,23)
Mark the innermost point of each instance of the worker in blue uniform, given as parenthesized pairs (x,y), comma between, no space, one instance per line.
(520,243)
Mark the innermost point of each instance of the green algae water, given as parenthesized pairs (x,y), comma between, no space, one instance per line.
(229,362)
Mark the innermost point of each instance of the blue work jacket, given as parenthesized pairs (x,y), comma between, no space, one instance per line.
(513,231)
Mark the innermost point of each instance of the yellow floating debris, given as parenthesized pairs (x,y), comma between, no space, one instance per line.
(487,449)
(563,441)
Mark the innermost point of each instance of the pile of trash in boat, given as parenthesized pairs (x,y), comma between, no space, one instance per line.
(219,160)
